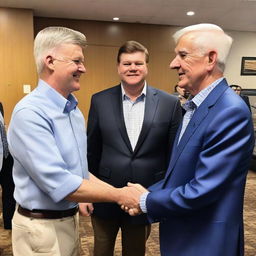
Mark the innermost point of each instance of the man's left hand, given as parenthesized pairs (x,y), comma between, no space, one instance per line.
(86,209)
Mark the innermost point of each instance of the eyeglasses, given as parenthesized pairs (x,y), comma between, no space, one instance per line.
(78,62)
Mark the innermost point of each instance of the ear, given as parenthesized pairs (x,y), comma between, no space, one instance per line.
(212,60)
(49,62)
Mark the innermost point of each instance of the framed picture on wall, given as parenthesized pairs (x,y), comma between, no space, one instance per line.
(248,66)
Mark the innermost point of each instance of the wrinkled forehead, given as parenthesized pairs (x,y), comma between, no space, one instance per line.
(186,43)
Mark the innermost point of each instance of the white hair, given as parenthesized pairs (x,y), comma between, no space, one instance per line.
(50,38)
(209,37)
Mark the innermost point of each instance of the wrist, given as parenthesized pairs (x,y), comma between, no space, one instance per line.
(143,199)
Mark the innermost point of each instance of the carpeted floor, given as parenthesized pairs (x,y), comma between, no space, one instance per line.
(153,241)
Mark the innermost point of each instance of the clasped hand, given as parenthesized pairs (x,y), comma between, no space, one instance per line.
(130,198)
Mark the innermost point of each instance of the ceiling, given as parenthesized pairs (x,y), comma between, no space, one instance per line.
(229,14)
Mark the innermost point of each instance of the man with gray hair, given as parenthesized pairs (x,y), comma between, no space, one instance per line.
(47,139)
(199,203)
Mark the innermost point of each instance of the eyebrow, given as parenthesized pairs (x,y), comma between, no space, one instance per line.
(182,52)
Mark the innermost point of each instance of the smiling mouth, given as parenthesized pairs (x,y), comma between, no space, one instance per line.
(76,76)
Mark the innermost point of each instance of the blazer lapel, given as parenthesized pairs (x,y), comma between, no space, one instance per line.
(196,120)
(150,109)
(117,107)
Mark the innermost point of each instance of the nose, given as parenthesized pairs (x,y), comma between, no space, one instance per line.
(133,66)
(82,68)
(175,63)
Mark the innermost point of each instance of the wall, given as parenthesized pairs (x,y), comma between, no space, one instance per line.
(16,54)
(244,45)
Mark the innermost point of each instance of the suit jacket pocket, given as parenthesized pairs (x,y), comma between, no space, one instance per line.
(105,173)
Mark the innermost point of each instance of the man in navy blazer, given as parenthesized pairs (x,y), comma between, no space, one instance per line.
(199,203)
(131,129)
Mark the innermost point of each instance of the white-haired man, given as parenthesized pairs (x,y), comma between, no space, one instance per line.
(199,203)
(47,139)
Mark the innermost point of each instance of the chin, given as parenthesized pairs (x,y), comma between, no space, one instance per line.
(76,87)
(132,81)
(182,85)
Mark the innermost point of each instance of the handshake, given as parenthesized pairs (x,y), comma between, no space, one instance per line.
(129,198)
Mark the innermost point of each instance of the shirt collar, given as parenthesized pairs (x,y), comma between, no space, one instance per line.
(202,95)
(144,91)
(70,104)
(66,105)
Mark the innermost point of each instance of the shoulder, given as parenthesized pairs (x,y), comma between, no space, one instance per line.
(25,103)
(230,100)
(111,90)
(162,94)
(33,106)
(222,98)
(230,113)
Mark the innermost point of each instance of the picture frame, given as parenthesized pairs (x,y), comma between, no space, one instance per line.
(248,66)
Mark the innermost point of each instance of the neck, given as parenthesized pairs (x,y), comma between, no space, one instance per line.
(205,83)
(133,91)
(54,85)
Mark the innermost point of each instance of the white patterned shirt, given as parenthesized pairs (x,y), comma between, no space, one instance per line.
(134,115)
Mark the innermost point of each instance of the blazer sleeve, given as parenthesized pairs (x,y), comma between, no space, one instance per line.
(226,150)
(94,139)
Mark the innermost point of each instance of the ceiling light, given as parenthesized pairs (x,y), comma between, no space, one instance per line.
(115,18)
(190,13)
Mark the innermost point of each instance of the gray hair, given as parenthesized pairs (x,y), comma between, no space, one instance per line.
(206,40)
(50,38)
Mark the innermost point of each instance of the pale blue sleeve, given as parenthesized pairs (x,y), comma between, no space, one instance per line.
(32,143)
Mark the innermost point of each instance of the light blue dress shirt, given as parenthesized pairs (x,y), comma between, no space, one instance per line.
(47,139)
(198,100)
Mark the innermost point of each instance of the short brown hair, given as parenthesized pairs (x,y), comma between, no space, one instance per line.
(132,47)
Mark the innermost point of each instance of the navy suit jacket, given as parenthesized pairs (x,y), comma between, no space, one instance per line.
(110,155)
(199,203)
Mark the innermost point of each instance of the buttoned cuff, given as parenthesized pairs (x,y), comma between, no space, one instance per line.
(143,199)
